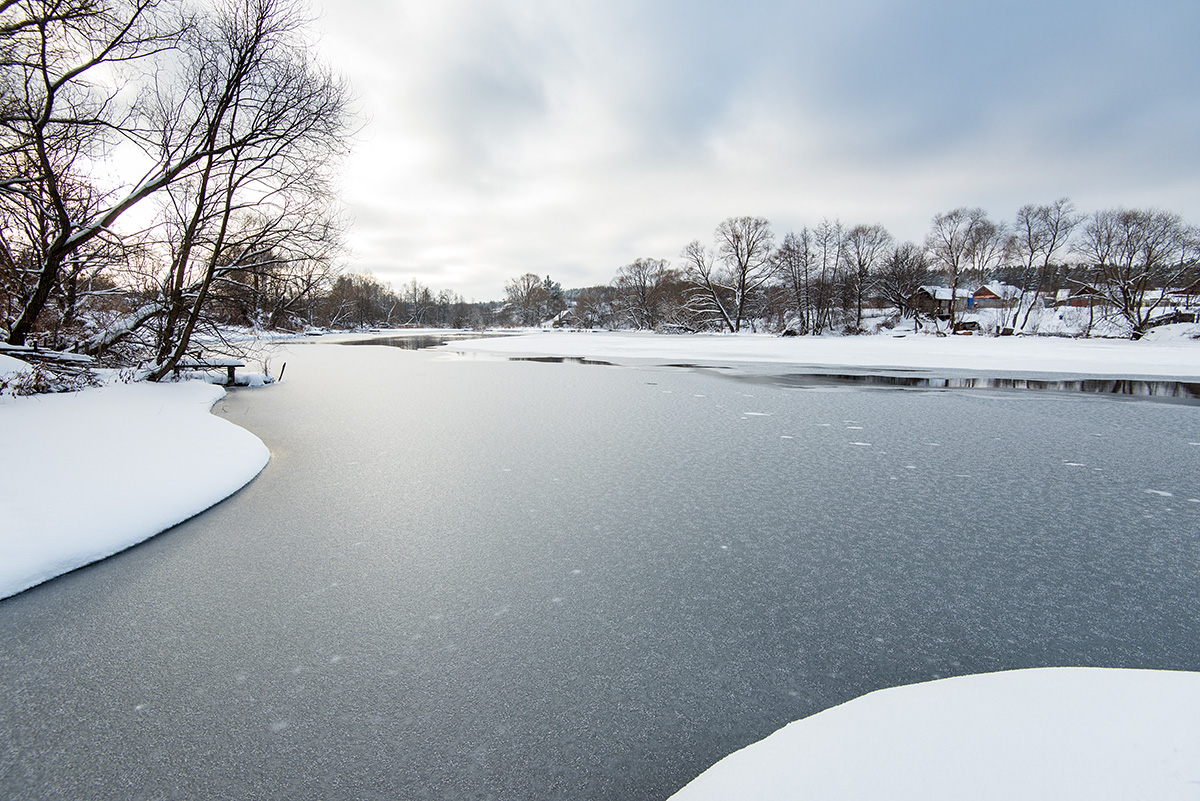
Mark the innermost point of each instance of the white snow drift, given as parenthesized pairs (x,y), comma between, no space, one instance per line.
(86,474)
(1061,734)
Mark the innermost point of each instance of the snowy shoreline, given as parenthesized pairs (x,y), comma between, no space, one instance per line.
(87,474)
(1174,357)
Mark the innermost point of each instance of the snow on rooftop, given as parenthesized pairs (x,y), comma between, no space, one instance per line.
(945,292)
(1002,290)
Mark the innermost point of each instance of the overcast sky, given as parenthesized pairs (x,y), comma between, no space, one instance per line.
(569,137)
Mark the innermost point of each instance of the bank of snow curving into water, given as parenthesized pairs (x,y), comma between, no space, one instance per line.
(1047,733)
(87,474)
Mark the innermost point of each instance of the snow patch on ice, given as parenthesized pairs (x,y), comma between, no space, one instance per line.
(1061,733)
(87,474)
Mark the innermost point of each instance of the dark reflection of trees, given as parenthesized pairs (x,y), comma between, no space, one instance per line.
(1154,389)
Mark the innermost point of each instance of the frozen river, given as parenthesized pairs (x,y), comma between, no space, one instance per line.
(472,578)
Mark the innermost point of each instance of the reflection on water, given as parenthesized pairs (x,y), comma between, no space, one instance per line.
(1188,392)
(420,341)
(1178,390)
(559,360)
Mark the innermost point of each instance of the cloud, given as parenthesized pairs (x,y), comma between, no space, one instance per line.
(508,136)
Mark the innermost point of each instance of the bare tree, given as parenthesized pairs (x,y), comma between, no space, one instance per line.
(988,248)
(357,301)
(526,299)
(418,303)
(594,307)
(276,290)
(1132,252)
(904,270)
(709,299)
(963,242)
(864,246)
(61,107)
(728,281)
(1039,235)
(794,266)
(270,121)
(745,245)
(239,127)
(829,264)
(641,292)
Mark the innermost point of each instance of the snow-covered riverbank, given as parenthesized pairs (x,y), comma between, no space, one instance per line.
(84,475)
(1169,354)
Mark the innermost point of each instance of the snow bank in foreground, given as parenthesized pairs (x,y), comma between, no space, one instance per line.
(87,474)
(1049,733)
(1117,358)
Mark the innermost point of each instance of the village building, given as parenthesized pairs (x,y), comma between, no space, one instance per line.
(940,301)
(995,296)
(1077,297)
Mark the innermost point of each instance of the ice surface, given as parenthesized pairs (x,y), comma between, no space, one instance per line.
(86,474)
(1051,733)
(674,582)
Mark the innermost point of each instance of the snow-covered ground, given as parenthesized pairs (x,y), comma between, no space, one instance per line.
(1164,356)
(1050,733)
(10,367)
(84,475)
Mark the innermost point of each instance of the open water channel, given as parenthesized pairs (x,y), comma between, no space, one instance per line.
(472,578)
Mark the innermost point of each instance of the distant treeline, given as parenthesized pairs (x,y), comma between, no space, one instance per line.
(229,134)
(1127,266)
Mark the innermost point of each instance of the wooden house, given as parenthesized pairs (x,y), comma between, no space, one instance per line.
(995,296)
(1078,297)
(939,301)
